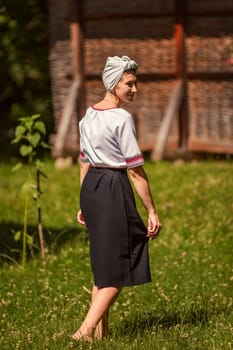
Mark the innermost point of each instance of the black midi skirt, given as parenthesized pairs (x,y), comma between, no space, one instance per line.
(118,242)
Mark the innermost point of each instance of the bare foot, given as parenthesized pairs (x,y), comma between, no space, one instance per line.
(80,337)
(101,330)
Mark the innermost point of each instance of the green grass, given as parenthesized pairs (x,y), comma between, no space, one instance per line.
(187,306)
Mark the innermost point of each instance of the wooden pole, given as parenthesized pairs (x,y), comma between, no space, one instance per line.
(169,115)
(179,32)
(74,103)
(76,37)
(69,109)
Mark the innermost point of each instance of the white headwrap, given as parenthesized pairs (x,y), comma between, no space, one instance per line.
(114,68)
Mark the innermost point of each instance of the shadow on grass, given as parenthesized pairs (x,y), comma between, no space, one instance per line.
(10,250)
(139,324)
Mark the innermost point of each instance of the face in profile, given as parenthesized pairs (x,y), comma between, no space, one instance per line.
(127,87)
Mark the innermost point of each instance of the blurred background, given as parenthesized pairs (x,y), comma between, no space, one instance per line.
(52,54)
(24,66)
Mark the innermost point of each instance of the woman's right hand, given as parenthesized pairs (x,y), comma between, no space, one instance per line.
(80,217)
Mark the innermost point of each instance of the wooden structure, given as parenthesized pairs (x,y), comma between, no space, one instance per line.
(185,99)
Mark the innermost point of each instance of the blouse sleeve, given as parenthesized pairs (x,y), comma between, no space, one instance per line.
(82,156)
(128,144)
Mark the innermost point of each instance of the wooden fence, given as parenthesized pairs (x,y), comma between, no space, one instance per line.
(185,41)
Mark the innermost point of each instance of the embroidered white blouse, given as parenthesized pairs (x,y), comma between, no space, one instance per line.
(108,139)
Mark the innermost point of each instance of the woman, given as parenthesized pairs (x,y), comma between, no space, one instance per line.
(118,237)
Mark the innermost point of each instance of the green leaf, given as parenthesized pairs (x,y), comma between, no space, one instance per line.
(40,127)
(23,119)
(25,150)
(19,134)
(17,235)
(45,145)
(19,131)
(15,140)
(39,164)
(29,240)
(34,139)
(32,156)
(28,124)
(42,173)
(16,167)
(35,116)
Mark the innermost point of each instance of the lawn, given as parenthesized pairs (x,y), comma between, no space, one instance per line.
(188,305)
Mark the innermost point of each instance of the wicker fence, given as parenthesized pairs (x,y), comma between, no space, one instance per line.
(144,30)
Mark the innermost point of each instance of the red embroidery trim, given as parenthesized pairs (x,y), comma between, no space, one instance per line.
(82,155)
(134,160)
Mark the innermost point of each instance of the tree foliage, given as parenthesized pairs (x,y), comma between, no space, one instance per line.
(24,66)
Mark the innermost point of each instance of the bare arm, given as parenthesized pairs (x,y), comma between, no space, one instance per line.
(84,167)
(142,187)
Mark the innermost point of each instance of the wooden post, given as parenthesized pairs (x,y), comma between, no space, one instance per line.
(69,109)
(179,32)
(74,104)
(76,37)
(169,115)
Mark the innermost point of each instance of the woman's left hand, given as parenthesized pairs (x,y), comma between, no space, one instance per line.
(154,226)
(80,217)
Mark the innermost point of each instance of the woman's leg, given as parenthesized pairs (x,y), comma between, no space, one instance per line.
(101,330)
(103,299)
